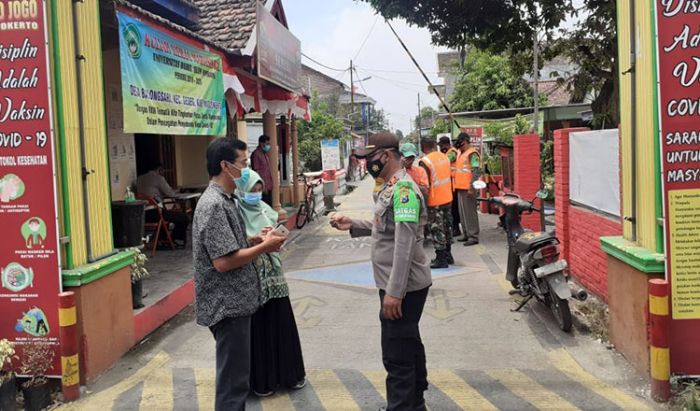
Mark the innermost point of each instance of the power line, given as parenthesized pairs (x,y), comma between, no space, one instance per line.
(437,93)
(323,65)
(366,38)
(397,83)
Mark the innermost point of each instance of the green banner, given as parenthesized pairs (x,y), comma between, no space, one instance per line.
(168,87)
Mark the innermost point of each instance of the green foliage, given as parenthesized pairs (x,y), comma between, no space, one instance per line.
(688,399)
(509,27)
(494,24)
(439,127)
(138,267)
(399,134)
(487,82)
(592,44)
(427,117)
(323,126)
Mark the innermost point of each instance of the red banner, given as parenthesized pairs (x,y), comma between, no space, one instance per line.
(679,105)
(29,256)
(476,135)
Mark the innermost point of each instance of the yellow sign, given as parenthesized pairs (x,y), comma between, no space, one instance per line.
(71,370)
(684,243)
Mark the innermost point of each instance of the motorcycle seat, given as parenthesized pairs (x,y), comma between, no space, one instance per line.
(527,241)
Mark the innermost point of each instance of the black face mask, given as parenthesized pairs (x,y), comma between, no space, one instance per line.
(375,167)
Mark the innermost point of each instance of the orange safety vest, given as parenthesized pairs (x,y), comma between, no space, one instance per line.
(440,179)
(452,164)
(463,170)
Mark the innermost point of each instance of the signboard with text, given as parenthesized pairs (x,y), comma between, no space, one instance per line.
(679,114)
(29,256)
(279,52)
(476,134)
(168,87)
(330,154)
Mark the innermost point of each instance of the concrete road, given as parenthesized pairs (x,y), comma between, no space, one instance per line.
(481,356)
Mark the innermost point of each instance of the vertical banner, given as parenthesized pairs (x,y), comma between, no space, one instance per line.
(330,154)
(678,58)
(29,256)
(168,87)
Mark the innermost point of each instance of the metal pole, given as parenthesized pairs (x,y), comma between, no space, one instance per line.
(536,91)
(418,120)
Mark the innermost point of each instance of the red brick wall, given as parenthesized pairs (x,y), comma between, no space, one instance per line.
(579,229)
(587,261)
(526,153)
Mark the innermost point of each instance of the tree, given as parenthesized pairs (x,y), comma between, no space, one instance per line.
(399,134)
(592,44)
(427,117)
(510,27)
(441,126)
(487,82)
(323,126)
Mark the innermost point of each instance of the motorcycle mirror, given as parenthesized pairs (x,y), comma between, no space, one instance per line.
(542,194)
(479,185)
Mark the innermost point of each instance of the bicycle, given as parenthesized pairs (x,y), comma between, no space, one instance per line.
(307,209)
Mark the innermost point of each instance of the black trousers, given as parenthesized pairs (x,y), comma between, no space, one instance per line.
(403,355)
(232,337)
(455,213)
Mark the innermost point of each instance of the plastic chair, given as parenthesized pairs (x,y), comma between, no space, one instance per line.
(161,225)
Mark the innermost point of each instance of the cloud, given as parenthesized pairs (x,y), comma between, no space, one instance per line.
(335,38)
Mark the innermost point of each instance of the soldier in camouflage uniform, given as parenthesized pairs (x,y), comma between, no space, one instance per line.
(437,166)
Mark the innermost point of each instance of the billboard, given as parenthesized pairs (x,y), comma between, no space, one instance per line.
(279,52)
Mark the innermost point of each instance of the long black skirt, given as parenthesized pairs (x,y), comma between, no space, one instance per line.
(276,359)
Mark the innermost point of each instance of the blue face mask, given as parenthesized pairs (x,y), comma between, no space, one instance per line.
(266,148)
(252,198)
(242,181)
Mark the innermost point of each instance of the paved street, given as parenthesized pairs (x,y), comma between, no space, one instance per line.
(480,355)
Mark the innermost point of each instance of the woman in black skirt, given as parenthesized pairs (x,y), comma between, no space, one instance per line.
(276,358)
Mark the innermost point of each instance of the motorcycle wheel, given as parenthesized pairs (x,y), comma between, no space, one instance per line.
(561,311)
(515,284)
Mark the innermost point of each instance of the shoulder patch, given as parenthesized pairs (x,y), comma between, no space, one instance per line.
(406,203)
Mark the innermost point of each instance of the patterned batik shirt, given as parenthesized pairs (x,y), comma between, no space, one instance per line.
(218,230)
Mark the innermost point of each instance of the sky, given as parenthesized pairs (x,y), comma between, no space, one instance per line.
(332,32)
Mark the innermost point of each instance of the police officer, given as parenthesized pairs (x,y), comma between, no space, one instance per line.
(467,171)
(401,269)
(452,153)
(437,165)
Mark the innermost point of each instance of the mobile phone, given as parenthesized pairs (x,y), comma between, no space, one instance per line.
(282,229)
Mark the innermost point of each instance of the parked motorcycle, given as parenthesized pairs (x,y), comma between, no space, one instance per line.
(534,267)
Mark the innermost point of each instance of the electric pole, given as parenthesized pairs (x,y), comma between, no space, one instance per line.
(418,120)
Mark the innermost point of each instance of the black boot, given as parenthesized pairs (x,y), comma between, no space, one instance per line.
(448,255)
(440,260)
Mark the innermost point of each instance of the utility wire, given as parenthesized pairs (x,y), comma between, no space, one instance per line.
(366,38)
(389,79)
(323,65)
(437,93)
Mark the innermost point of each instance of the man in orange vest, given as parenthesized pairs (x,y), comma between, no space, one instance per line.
(467,171)
(437,165)
(452,153)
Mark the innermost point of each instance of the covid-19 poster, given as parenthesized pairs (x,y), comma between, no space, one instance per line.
(29,256)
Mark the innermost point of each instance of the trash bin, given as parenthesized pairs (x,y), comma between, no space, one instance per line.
(128,223)
(329,183)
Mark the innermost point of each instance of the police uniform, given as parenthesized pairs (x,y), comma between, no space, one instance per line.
(401,269)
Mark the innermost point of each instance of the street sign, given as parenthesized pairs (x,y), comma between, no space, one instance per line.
(678,91)
(29,256)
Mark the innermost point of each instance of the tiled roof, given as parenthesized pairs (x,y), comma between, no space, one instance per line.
(227,22)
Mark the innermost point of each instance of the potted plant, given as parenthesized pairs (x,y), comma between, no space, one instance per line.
(138,273)
(8,385)
(37,359)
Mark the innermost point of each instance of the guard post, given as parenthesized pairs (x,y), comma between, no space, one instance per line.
(70,365)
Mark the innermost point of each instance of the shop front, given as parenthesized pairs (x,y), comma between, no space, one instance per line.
(117,92)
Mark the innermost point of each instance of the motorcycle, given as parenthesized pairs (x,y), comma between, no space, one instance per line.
(534,268)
